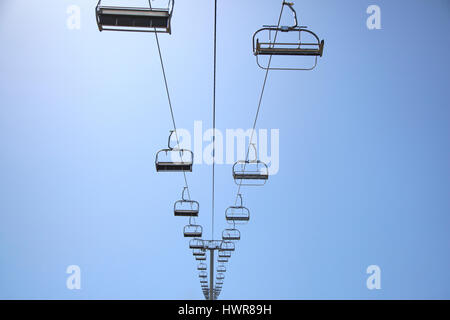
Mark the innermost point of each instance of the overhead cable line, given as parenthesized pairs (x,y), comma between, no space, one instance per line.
(170,102)
(214,119)
(259,103)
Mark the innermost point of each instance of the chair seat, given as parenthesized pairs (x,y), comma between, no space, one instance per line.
(174,167)
(237,218)
(288,52)
(133,18)
(192,234)
(250,176)
(186,213)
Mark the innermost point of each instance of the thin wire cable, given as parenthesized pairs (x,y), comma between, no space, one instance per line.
(259,103)
(214,119)
(170,102)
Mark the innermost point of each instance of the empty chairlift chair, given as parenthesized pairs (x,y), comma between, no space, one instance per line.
(221,269)
(201,266)
(203,274)
(250,172)
(227,246)
(231,234)
(114,18)
(174,159)
(198,252)
(186,208)
(219,283)
(196,244)
(307,43)
(237,214)
(193,231)
(220,276)
(222,259)
(224,254)
(200,258)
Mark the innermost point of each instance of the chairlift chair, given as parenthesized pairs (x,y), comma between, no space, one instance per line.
(114,18)
(200,258)
(203,274)
(227,246)
(224,254)
(186,208)
(174,159)
(312,48)
(237,214)
(202,266)
(193,231)
(222,259)
(221,269)
(203,281)
(231,234)
(198,252)
(250,172)
(196,244)
(220,276)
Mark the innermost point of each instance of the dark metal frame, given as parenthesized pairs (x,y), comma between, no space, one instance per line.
(271,49)
(157,12)
(179,167)
(227,234)
(240,176)
(239,220)
(193,234)
(193,212)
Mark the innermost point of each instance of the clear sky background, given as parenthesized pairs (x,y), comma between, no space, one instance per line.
(364,153)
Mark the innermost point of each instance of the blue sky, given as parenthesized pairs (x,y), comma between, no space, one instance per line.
(364,153)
